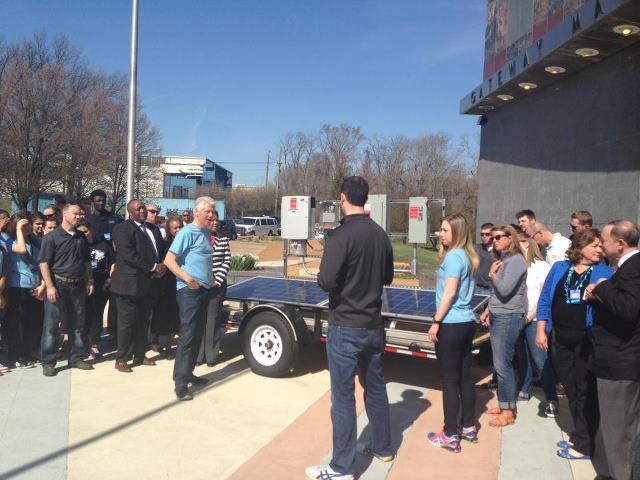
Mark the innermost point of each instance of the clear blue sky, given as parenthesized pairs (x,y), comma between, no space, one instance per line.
(227,79)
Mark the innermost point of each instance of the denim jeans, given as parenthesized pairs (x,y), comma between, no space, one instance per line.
(530,353)
(505,330)
(192,305)
(351,351)
(70,308)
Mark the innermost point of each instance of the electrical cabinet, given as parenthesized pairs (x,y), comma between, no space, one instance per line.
(297,217)
(418,220)
(377,207)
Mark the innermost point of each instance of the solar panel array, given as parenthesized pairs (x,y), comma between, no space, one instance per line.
(396,302)
(281,290)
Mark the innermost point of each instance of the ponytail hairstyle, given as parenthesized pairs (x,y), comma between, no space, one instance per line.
(460,238)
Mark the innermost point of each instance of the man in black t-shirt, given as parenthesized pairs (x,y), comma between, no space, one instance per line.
(66,270)
(101,221)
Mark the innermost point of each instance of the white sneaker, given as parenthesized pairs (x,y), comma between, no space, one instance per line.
(325,472)
(364,449)
(4,369)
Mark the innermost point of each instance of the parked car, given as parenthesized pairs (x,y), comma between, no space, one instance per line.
(257,226)
(227,228)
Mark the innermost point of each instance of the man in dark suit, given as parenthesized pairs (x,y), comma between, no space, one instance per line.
(137,261)
(616,337)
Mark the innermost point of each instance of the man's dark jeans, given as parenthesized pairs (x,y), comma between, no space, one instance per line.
(192,305)
(70,307)
(351,351)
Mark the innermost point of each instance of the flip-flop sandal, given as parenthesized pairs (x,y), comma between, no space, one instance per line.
(564,444)
(494,411)
(565,453)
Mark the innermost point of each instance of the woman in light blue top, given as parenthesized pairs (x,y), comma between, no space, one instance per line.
(25,292)
(452,331)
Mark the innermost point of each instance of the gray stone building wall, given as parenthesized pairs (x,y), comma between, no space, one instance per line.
(574,145)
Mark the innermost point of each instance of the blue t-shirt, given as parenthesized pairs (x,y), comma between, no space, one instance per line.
(455,264)
(23,270)
(4,238)
(194,254)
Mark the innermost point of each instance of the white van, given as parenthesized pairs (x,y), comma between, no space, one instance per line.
(261,226)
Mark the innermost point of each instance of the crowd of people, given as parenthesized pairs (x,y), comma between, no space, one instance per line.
(59,269)
(566,309)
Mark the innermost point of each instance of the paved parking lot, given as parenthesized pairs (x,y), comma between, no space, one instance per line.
(105,424)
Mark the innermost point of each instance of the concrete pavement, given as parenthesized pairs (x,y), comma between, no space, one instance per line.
(105,424)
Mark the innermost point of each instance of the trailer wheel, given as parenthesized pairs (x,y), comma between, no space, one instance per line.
(269,345)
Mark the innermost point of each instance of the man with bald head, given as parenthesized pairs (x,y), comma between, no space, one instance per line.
(137,261)
(554,244)
(616,341)
(65,264)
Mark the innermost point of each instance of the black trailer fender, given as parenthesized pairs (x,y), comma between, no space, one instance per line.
(268,307)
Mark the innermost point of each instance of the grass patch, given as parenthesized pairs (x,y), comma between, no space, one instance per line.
(427,259)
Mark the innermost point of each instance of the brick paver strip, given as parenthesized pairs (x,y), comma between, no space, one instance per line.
(301,444)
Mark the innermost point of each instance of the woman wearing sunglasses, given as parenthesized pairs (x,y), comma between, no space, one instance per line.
(454,325)
(564,324)
(505,317)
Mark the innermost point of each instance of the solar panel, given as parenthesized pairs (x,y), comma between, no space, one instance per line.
(413,304)
(281,290)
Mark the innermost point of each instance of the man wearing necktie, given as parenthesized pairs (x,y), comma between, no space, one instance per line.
(616,342)
(138,260)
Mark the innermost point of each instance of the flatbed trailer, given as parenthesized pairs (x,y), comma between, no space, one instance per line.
(276,317)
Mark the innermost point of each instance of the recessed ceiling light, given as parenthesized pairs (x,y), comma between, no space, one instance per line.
(587,52)
(505,98)
(486,107)
(527,85)
(553,70)
(626,30)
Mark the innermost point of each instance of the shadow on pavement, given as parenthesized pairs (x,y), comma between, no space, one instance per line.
(402,414)
(229,372)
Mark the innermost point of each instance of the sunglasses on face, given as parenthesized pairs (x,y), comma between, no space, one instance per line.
(153,211)
(500,236)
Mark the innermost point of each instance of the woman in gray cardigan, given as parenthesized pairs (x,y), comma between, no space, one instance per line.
(505,317)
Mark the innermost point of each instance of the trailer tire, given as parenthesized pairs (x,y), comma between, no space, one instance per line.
(269,345)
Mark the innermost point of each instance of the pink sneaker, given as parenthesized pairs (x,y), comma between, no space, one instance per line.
(441,440)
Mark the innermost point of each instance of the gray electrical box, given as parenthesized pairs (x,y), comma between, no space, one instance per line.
(297,216)
(330,213)
(418,220)
(377,207)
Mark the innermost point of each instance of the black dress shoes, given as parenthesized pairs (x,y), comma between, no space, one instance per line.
(198,380)
(183,394)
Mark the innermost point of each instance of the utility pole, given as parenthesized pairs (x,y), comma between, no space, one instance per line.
(275,204)
(266,177)
(131,147)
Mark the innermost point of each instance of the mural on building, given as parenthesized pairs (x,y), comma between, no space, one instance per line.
(513,25)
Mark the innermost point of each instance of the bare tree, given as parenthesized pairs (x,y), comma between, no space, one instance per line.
(40,83)
(340,144)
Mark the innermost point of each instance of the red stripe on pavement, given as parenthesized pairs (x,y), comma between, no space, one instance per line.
(303,443)
(417,459)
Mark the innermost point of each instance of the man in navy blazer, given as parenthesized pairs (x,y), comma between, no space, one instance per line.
(616,338)
(138,259)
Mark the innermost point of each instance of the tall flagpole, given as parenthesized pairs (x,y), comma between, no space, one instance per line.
(131,146)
